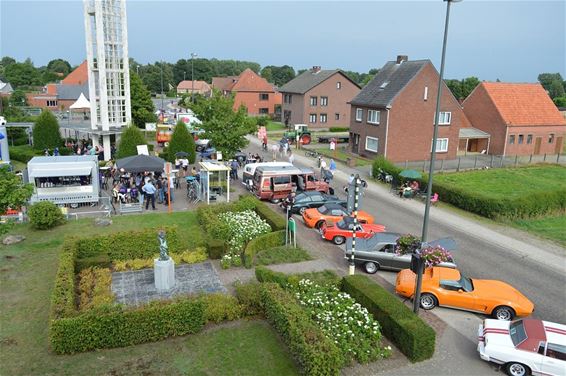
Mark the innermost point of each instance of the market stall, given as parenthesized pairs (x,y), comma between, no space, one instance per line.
(214,181)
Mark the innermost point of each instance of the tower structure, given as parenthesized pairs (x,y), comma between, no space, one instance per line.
(108,68)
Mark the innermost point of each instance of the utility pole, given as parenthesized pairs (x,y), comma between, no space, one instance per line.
(162,106)
(352,265)
(193,55)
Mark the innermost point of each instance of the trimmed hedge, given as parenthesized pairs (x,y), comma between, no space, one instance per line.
(110,327)
(410,333)
(265,241)
(249,296)
(216,248)
(339,129)
(382,163)
(63,295)
(316,354)
(102,261)
(325,277)
(275,220)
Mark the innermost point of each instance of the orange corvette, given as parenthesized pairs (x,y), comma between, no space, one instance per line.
(447,287)
(333,213)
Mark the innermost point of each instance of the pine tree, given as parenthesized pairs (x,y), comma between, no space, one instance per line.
(131,137)
(182,140)
(46,133)
(142,106)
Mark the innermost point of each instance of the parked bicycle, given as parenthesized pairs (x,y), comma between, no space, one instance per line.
(384,176)
(312,153)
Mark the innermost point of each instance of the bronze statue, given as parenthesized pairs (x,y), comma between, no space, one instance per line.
(163,256)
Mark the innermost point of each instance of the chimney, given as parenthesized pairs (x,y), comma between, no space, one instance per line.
(315,69)
(402,58)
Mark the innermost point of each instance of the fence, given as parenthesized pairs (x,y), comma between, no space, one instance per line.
(482,161)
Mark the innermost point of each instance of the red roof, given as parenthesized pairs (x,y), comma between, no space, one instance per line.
(198,85)
(251,81)
(224,83)
(77,77)
(523,104)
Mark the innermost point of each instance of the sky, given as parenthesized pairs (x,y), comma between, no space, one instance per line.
(508,40)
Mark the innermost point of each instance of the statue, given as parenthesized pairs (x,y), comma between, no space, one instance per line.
(163,256)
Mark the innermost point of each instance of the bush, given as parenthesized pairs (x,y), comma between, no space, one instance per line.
(249,296)
(46,133)
(381,163)
(265,241)
(316,354)
(102,261)
(275,220)
(408,331)
(95,288)
(339,129)
(181,140)
(45,215)
(23,153)
(281,255)
(221,307)
(325,277)
(188,257)
(216,248)
(63,295)
(130,138)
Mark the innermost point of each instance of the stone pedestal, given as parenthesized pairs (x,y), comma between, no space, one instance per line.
(164,274)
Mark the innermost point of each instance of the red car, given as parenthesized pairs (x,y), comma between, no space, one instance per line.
(341,230)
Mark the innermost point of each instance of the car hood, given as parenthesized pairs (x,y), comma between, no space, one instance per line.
(492,289)
(496,332)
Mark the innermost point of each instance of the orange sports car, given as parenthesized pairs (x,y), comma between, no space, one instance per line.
(332,213)
(447,287)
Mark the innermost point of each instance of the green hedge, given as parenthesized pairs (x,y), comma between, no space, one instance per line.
(23,153)
(409,332)
(216,248)
(381,163)
(339,129)
(265,241)
(102,261)
(249,296)
(63,295)
(325,277)
(110,327)
(275,220)
(316,354)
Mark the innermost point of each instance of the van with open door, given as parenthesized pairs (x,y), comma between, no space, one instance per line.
(275,183)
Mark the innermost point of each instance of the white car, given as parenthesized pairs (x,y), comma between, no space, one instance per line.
(524,347)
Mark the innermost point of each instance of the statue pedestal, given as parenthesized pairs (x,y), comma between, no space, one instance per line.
(164,274)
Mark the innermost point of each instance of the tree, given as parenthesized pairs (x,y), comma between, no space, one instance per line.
(18,98)
(22,74)
(46,133)
(560,101)
(59,66)
(267,74)
(142,106)
(278,75)
(225,128)
(556,89)
(182,140)
(131,137)
(551,83)
(13,194)
(462,88)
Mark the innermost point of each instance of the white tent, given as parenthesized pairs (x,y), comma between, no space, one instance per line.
(81,103)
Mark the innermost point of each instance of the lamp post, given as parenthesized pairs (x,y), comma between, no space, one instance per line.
(417,298)
(193,55)
(184,75)
(162,106)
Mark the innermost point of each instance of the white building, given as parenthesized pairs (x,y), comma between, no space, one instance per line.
(108,68)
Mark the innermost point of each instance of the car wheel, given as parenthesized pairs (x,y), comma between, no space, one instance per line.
(338,240)
(319,225)
(371,267)
(302,210)
(274,201)
(517,369)
(331,191)
(504,313)
(428,301)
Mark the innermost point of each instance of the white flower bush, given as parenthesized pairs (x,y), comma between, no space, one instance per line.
(343,320)
(244,226)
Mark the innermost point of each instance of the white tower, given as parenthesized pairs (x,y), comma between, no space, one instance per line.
(108,68)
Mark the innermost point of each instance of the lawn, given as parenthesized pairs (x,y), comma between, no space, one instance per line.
(281,255)
(551,228)
(508,182)
(27,272)
(275,126)
(341,154)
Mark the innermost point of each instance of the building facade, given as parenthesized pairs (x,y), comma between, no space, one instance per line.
(198,87)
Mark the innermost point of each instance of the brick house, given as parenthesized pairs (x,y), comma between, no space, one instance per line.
(393,115)
(319,98)
(250,90)
(521,118)
(199,87)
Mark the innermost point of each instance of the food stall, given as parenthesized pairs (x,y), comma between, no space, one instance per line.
(64,180)
(214,181)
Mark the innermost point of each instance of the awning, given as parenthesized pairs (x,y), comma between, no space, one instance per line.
(44,172)
(211,166)
(81,103)
(473,133)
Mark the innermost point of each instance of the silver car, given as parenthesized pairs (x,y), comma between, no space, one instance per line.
(378,252)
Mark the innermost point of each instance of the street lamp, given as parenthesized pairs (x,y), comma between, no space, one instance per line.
(184,75)
(417,298)
(193,55)
(162,106)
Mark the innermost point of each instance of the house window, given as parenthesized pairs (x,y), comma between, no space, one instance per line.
(339,85)
(425,93)
(264,111)
(313,101)
(323,118)
(263,96)
(312,118)
(359,114)
(336,116)
(529,139)
(373,116)
(371,144)
(51,103)
(441,145)
(520,139)
(444,118)
(512,139)
(324,101)
(287,98)
(551,138)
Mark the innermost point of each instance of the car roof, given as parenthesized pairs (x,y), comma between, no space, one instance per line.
(311,193)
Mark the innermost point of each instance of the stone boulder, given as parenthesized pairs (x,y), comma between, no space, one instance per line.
(102,222)
(12,239)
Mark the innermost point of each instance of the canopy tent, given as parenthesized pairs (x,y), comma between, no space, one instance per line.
(140,163)
(81,104)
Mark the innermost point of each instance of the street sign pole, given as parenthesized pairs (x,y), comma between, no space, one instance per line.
(352,266)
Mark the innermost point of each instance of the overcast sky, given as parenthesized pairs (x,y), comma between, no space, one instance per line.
(509,40)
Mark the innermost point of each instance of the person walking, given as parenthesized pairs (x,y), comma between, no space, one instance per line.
(185,165)
(234,169)
(149,190)
(322,166)
(291,157)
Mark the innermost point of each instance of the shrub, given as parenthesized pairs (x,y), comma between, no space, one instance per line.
(46,133)
(95,288)
(102,261)
(382,163)
(408,331)
(182,140)
(45,215)
(265,241)
(316,354)
(221,307)
(325,277)
(249,296)
(242,227)
(189,257)
(130,138)
(63,295)
(281,255)
(216,248)
(339,129)
(275,220)
(23,153)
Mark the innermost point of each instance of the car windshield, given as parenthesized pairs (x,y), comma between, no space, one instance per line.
(323,209)
(517,332)
(466,284)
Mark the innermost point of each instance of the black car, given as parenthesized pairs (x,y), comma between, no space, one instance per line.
(379,252)
(312,199)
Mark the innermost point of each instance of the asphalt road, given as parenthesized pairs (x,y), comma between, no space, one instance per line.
(485,250)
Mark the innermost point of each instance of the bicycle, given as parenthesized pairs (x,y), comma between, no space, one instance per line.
(192,191)
(311,153)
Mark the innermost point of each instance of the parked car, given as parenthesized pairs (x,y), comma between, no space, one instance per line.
(378,252)
(312,200)
(524,347)
(331,212)
(338,232)
(448,287)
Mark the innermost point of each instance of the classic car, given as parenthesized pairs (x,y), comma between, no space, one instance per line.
(312,199)
(378,252)
(338,232)
(330,212)
(524,347)
(448,287)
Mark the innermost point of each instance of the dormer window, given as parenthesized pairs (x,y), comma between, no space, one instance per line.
(384,85)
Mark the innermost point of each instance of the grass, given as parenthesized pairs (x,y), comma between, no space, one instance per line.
(341,155)
(551,228)
(281,255)
(508,182)
(275,126)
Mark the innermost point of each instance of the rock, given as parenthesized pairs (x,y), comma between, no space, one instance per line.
(12,239)
(102,222)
